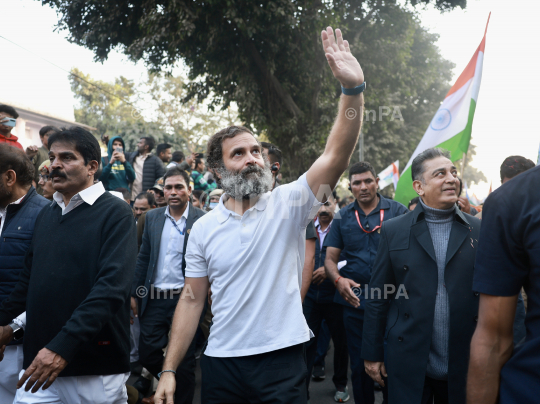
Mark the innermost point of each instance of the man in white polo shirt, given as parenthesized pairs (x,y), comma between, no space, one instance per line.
(250,250)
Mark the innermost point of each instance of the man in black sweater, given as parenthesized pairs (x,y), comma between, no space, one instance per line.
(75,285)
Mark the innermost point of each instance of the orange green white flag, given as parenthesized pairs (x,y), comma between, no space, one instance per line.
(451,126)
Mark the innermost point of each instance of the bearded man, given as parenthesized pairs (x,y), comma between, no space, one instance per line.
(250,249)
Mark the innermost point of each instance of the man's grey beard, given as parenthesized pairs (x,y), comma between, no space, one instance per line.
(250,182)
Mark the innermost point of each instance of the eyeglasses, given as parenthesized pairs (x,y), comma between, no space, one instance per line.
(44,177)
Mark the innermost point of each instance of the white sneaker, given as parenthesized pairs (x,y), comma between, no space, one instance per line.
(342,396)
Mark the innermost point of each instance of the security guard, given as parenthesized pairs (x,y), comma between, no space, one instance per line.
(355,234)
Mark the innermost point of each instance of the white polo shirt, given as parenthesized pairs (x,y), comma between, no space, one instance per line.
(254,264)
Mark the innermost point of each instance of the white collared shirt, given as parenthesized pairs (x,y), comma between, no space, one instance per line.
(4,211)
(254,264)
(88,195)
(322,233)
(168,273)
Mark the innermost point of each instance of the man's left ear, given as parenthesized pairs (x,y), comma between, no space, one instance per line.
(215,173)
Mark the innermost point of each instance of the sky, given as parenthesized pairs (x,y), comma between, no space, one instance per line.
(505,119)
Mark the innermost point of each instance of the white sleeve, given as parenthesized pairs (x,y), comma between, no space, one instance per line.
(301,201)
(21,320)
(196,266)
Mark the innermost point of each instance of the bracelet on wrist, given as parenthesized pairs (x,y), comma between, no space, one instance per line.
(338,278)
(165,371)
(354,91)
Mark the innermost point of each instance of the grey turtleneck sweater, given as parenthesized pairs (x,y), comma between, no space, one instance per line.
(439,223)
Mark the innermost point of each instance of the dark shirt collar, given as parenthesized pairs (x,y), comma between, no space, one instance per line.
(383,204)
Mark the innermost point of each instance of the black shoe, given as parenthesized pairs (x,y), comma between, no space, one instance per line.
(143,385)
(318,373)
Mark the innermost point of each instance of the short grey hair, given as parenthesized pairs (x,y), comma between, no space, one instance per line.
(417,169)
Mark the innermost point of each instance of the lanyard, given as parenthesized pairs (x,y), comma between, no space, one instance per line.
(376,228)
(176,226)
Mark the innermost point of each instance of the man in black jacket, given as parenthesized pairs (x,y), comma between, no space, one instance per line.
(20,205)
(160,278)
(148,167)
(420,297)
(75,285)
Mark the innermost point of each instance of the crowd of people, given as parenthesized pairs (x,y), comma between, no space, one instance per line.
(140,263)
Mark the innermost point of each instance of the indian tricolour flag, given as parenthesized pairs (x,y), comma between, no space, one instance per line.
(451,126)
(390,175)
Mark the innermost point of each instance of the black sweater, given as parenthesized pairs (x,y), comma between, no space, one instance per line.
(75,287)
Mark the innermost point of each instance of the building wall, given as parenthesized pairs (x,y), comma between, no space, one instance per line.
(29,124)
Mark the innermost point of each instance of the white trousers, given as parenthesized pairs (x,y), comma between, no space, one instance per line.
(110,389)
(10,368)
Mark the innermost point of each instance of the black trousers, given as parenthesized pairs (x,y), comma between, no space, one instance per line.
(276,377)
(155,327)
(435,391)
(333,314)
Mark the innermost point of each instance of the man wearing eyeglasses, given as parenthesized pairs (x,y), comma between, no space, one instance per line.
(355,235)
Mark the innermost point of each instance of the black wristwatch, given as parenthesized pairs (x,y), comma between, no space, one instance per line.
(18,331)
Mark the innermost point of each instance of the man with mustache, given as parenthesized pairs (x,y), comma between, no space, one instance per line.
(421,300)
(161,266)
(75,285)
(250,250)
(354,237)
(319,305)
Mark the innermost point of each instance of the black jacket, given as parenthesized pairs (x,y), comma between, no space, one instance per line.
(406,256)
(149,252)
(15,241)
(152,169)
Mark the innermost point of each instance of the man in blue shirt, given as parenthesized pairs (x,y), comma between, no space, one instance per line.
(507,260)
(355,236)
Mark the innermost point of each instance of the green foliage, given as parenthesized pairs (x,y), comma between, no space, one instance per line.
(190,122)
(116,109)
(407,75)
(111,108)
(266,56)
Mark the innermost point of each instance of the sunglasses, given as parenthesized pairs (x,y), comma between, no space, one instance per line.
(44,177)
